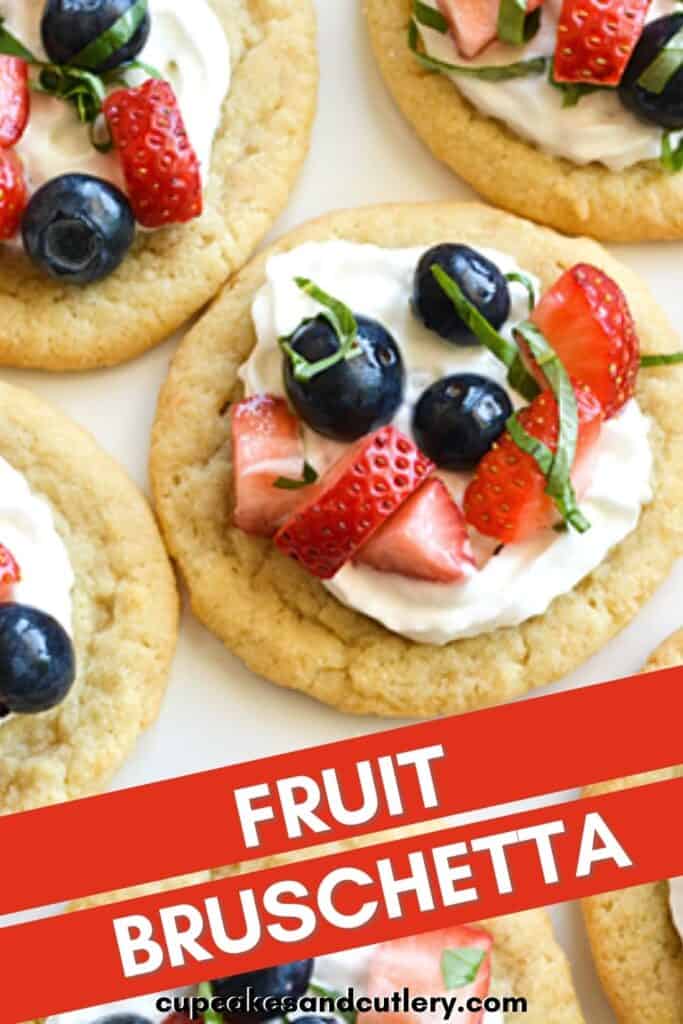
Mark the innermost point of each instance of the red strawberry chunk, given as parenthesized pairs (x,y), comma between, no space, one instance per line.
(586,319)
(10,573)
(507,499)
(161,168)
(266,445)
(14,100)
(415,963)
(13,194)
(474,23)
(596,38)
(358,494)
(426,539)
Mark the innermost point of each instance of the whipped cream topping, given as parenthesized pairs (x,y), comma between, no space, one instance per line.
(187,45)
(597,129)
(522,580)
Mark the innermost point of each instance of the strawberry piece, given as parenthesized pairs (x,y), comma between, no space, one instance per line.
(507,499)
(426,539)
(266,444)
(13,194)
(586,319)
(358,494)
(10,573)
(415,963)
(14,100)
(160,166)
(596,38)
(474,23)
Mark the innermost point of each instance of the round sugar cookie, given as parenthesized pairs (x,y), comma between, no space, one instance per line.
(125,612)
(168,275)
(282,622)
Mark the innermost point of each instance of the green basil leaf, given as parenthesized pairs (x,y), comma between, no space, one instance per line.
(490,73)
(342,321)
(204,991)
(671,156)
(669,359)
(286,484)
(515,26)
(10,46)
(117,36)
(666,64)
(507,351)
(429,17)
(460,967)
(527,283)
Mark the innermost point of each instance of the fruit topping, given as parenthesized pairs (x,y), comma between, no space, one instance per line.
(595,39)
(96,34)
(160,166)
(37,661)
(10,573)
(340,513)
(652,87)
(425,540)
(480,281)
(519,20)
(13,194)
(586,319)
(267,447)
(14,100)
(457,419)
(508,499)
(286,981)
(78,229)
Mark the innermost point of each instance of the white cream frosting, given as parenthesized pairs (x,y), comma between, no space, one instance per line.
(187,45)
(523,579)
(598,128)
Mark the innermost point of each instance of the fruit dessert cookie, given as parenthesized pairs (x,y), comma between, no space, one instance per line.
(569,112)
(88,609)
(146,146)
(357,465)
(637,934)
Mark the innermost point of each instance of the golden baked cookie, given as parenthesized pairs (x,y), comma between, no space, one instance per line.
(638,204)
(636,947)
(170,274)
(125,612)
(282,622)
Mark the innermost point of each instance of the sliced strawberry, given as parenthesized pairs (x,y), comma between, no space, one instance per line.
(425,540)
(14,100)
(474,23)
(10,573)
(13,193)
(585,317)
(266,444)
(415,963)
(359,493)
(507,499)
(596,38)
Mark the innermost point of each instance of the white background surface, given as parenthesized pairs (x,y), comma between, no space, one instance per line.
(216,712)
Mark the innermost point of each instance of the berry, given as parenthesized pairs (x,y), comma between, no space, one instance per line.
(586,319)
(457,419)
(10,572)
(78,229)
(69,26)
(480,280)
(426,539)
(415,963)
(507,497)
(289,980)
(595,39)
(14,100)
(124,1018)
(358,494)
(474,23)
(37,661)
(355,396)
(666,108)
(266,445)
(13,194)
(161,168)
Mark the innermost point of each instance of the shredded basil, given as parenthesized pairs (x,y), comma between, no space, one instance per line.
(527,283)
(84,90)
(460,967)
(488,73)
(429,17)
(286,484)
(114,39)
(515,26)
(507,351)
(342,321)
(669,359)
(671,155)
(666,64)
(10,46)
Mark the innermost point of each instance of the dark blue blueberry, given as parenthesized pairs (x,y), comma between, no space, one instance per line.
(123,1018)
(480,281)
(355,396)
(78,229)
(68,26)
(458,419)
(289,980)
(666,108)
(37,661)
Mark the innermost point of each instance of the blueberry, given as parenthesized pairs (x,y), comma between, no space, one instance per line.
(37,661)
(290,980)
(480,280)
(68,26)
(665,109)
(78,229)
(355,396)
(458,419)
(123,1018)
